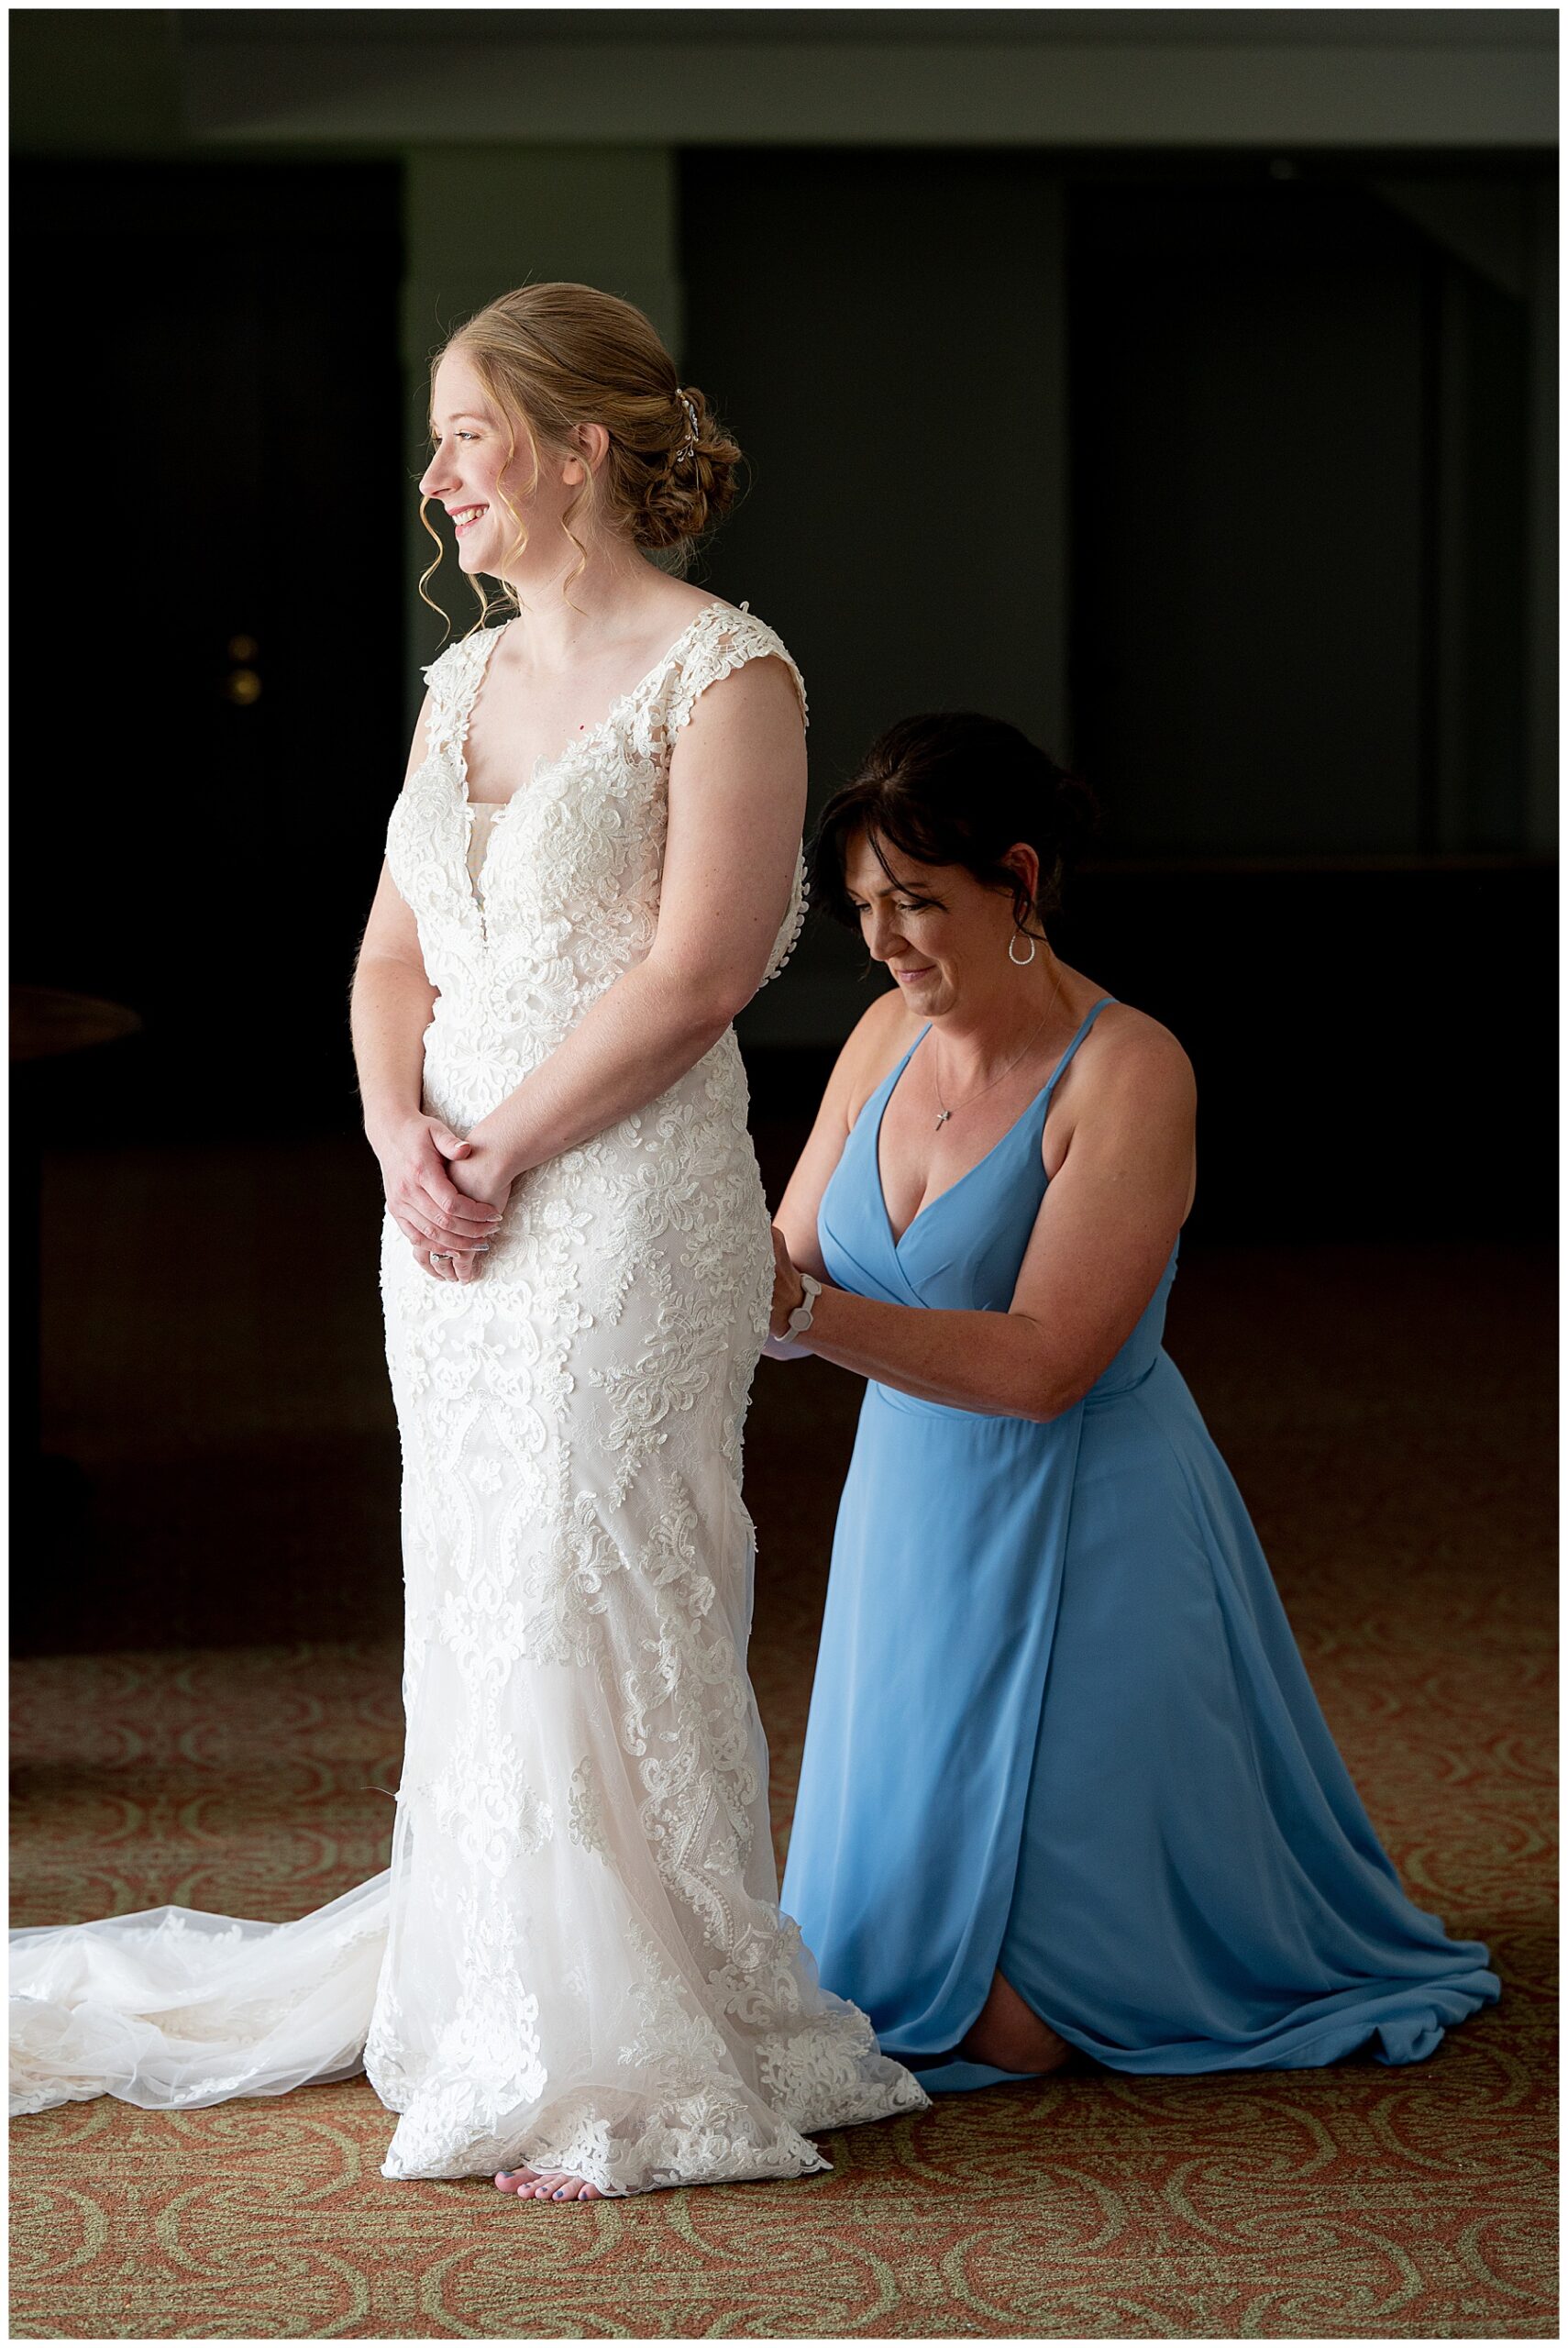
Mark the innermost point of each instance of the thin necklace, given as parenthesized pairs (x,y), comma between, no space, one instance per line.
(991,1087)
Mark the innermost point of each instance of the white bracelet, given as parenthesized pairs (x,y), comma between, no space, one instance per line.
(800,1321)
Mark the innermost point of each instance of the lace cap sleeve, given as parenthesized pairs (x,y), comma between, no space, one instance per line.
(453,679)
(725,640)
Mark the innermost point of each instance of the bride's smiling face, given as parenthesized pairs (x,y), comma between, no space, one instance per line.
(470,475)
(941,932)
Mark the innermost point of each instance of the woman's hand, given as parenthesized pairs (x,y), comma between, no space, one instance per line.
(789,1294)
(483,1178)
(434,1215)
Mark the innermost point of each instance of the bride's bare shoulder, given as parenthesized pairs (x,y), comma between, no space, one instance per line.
(677,604)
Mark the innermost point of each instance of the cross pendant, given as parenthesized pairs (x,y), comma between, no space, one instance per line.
(942,1121)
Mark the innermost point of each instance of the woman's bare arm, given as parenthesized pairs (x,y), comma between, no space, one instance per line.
(391,998)
(738,799)
(389,1010)
(869,1050)
(1103,1235)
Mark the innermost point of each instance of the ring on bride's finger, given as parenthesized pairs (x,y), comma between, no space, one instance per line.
(440,1256)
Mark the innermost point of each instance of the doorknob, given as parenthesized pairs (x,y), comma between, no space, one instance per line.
(242,684)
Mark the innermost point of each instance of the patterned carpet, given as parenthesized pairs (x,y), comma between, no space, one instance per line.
(1388,1417)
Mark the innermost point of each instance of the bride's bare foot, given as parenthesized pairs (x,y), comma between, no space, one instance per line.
(546,2185)
(1011,2036)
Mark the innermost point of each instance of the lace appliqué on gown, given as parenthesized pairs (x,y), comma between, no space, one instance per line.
(585,1965)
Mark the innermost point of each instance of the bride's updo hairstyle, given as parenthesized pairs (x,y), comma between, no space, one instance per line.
(952,787)
(558,355)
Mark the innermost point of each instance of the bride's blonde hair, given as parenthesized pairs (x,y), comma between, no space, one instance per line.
(557,355)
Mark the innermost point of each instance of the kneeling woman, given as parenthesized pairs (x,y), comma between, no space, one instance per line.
(1066,1783)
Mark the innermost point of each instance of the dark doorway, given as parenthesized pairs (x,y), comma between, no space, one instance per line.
(207,741)
(208,718)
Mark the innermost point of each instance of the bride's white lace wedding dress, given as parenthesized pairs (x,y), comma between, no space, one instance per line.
(576,1959)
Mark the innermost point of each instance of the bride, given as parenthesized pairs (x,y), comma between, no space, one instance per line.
(574,1975)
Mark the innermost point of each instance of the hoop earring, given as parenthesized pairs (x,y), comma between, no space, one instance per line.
(1022,960)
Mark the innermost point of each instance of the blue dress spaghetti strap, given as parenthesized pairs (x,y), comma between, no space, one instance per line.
(1060,1724)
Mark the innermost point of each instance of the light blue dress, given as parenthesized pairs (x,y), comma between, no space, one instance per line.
(1060,1724)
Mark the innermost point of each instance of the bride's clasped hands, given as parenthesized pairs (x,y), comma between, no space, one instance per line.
(449,1217)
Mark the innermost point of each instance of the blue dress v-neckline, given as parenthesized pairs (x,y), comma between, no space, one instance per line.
(964,1255)
(889,1085)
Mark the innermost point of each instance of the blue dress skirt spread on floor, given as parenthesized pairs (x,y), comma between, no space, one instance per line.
(1060,1724)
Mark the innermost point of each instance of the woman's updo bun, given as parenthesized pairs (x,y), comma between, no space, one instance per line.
(558,355)
(951,787)
(693,485)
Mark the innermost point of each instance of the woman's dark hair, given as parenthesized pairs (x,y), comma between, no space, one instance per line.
(951,787)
